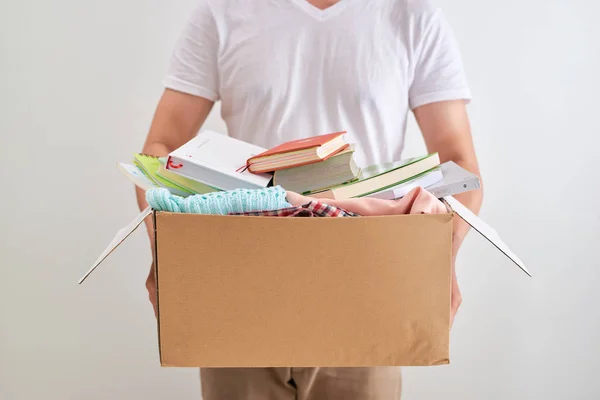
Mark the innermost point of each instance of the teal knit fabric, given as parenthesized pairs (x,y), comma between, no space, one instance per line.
(222,203)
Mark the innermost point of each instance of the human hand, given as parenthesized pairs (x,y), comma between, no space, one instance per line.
(456,297)
(151,287)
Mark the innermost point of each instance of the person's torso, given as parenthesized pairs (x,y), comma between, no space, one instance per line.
(288,70)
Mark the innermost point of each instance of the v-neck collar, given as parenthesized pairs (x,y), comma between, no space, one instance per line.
(322,14)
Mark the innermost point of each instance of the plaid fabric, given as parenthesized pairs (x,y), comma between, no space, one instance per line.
(312,209)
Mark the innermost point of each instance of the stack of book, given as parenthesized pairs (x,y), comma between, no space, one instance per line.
(321,166)
(150,172)
(309,165)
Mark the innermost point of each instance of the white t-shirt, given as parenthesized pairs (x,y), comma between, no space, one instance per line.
(285,70)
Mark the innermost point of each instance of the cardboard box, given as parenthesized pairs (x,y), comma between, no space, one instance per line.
(241,291)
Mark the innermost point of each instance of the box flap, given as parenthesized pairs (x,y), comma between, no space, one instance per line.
(484,229)
(121,235)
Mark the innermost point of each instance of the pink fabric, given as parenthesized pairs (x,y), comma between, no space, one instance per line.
(417,201)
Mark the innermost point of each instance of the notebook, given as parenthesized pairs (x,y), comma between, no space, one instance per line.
(218,161)
(297,153)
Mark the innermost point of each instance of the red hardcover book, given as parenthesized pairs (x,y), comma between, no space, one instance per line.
(297,153)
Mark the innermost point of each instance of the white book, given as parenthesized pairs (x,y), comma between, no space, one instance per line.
(456,180)
(219,161)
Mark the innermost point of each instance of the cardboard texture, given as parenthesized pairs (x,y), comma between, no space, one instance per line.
(238,291)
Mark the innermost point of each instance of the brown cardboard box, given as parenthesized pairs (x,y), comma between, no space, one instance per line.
(266,291)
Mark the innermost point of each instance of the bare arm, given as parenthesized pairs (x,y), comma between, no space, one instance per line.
(177,119)
(446,129)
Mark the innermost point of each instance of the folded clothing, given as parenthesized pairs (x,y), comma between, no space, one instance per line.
(417,201)
(275,201)
(312,209)
(220,203)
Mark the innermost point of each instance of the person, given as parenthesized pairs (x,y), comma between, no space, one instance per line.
(288,69)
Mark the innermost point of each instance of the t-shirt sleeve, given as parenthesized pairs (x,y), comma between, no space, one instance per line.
(438,73)
(193,66)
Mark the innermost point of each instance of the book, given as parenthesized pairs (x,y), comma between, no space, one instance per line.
(297,153)
(144,182)
(456,180)
(137,176)
(338,169)
(149,166)
(423,180)
(379,177)
(453,179)
(183,181)
(218,161)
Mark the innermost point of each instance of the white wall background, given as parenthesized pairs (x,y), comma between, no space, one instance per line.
(79,81)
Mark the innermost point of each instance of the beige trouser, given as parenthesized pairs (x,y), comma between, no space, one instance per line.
(381,383)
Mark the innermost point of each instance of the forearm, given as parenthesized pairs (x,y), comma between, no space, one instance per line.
(177,119)
(160,150)
(472,200)
(446,130)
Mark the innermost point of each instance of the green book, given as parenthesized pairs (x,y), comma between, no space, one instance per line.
(316,177)
(189,184)
(379,177)
(149,166)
